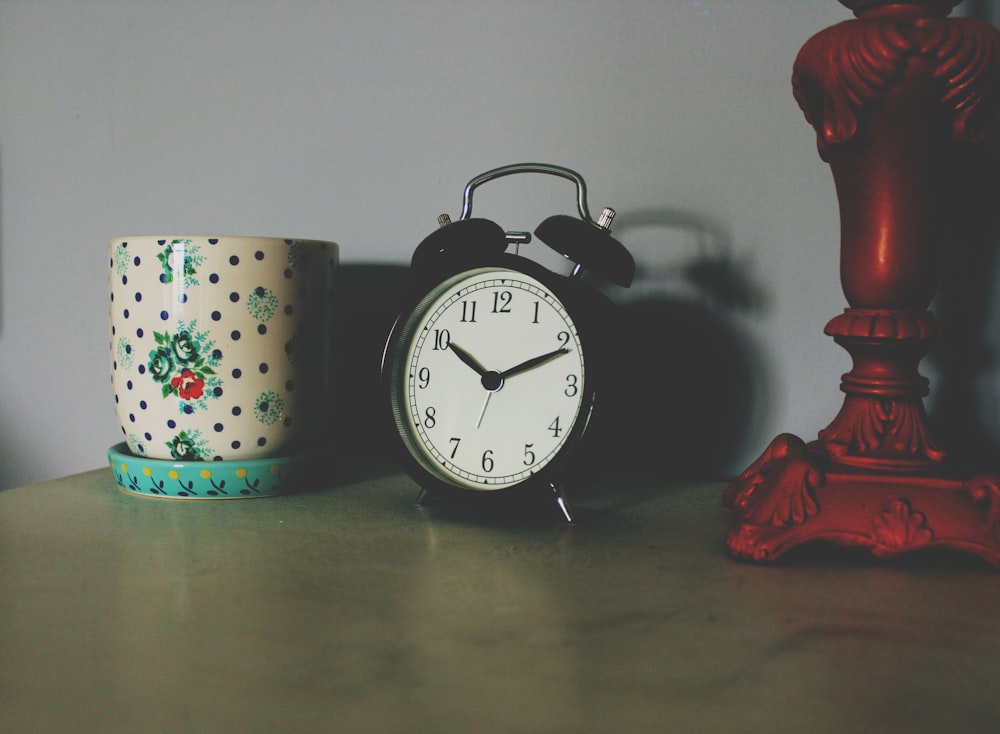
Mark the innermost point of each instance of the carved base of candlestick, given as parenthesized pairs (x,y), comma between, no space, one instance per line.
(796,493)
(874,478)
(898,98)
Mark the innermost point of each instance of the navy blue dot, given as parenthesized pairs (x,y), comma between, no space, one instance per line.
(171,423)
(213,278)
(182,298)
(213,240)
(288,273)
(131,417)
(216,315)
(188,409)
(142,404)
(237,410)
(259,255)
(235,444)
(287,422)
(149,436)
(163,277)
(234,260)
(289,310)
(142,369)
(139,332)
(264,406)
(138,297)
(129,384)
(137,260)
(216,354)
(114,365)
(124,280)
(261,441)
(261,329)
(217,392)
(234,296)
(164,315)
(237,373)
(218,427)
(234,335)
(263,368)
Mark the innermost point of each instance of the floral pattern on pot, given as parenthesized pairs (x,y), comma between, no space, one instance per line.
(262,303)
(185,363)
(188,446)
(180,258)
(269,407)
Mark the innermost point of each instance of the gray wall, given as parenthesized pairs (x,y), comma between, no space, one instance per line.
(361,121)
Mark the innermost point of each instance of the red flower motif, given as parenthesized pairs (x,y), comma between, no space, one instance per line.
(188,385)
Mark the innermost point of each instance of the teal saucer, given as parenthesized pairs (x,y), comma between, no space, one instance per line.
(213,480)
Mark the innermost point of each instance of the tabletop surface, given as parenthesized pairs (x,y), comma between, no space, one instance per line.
(353,609)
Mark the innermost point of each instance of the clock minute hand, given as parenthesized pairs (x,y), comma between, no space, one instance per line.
(467,359)
(533,362)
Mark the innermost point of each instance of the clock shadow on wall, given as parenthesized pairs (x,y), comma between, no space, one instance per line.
(685,388)
(686,392)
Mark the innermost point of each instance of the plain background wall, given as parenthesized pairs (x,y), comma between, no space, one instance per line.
(362,121)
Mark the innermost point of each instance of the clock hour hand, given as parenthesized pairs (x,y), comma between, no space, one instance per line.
(468,359)
(533,362)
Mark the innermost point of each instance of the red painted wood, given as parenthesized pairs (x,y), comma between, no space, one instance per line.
(897,97)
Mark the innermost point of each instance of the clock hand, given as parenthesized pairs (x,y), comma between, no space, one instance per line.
(482,412)
(468,359)
(533,362)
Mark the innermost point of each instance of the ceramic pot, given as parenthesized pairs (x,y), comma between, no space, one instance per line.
(220,345)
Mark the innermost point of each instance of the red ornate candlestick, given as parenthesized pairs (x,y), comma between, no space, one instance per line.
(897,97)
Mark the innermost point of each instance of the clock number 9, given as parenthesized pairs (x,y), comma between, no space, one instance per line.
(424,378)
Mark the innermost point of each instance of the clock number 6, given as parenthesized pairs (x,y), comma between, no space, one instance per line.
(488,461)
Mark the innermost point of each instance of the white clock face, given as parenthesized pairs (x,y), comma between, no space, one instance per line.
(492,379)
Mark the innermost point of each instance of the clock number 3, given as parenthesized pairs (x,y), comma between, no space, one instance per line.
(571,388)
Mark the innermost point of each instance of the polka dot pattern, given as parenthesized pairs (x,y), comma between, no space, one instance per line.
(200,335)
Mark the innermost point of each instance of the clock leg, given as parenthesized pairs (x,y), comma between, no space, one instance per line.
(561,502)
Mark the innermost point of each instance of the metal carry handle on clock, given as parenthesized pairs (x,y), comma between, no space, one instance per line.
(546,168)
(587,243)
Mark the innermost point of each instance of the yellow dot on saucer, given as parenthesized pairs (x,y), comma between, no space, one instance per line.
(124,468)
(147,471)
(173,474)
(275,468)
(241,473)
(205,473)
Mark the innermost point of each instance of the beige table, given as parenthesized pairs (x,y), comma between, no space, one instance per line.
(354,610)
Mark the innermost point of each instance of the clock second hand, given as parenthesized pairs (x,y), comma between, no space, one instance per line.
(482,412)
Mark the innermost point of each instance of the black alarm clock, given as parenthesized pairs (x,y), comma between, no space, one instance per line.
(494,367)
